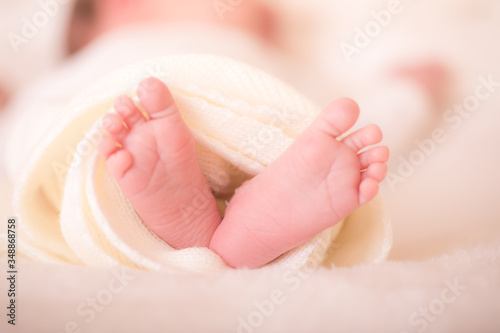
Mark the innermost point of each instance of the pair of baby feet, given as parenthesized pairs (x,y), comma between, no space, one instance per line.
(317,182)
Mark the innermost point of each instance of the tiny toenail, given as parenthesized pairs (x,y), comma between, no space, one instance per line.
(147,85)
(151,84)
(122,100)
(106,123)
(121,105)
(126,110)
(111,125)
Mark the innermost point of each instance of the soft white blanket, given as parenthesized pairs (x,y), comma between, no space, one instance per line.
(72,211)
(390,297)
(458,293)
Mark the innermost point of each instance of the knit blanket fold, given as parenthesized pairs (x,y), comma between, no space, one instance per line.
(72,211)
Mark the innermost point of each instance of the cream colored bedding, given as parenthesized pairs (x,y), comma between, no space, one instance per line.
(73,212)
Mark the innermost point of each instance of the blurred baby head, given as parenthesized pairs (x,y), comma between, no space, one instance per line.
(92,18)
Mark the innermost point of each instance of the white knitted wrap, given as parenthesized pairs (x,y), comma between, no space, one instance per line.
(72,211)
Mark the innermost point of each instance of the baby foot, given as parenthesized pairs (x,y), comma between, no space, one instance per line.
(315,184)
(156,167)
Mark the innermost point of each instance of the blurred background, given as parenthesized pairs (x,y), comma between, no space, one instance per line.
(428,72)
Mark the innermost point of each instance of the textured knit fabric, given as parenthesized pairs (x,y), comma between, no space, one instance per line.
(242,119)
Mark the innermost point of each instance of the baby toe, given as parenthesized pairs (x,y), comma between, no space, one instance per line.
(338,118)
(364,137)
(376,171)
(106,147)
(156,98)
(368,189)
(374,155)
(113,124)
(119,163)
(129,112)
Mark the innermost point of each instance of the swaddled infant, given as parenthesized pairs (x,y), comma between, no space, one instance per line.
(317,182)
(151,153)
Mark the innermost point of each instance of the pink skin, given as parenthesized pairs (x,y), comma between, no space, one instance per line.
(315,184)
(157,167)
(91,18)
